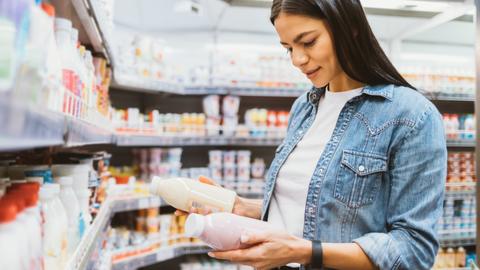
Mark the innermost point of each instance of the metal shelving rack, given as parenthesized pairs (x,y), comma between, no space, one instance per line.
(477,110)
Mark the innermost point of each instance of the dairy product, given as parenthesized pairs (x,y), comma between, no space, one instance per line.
(185,193)
(222,231)
(70,203)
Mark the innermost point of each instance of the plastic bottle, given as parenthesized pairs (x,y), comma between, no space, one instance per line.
(26,231)
(63,37)
(184,193)
(61,216)
(222,231)
(52,230)
(79,76)
(70,203)
(84,204)
(460,257)
(29,193)
(53,63)
(11,248)
(91,85)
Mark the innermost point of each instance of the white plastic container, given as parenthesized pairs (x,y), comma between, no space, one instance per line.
(11,248)
(26,234)
(85,216)
(33,224)
(70,203)
(185,193)
(63,28)
(79,172)
(53,237)
(62,220)
(222,231)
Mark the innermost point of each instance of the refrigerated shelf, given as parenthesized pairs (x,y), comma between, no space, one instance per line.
(139,140)
(161,254)
(91,18)
(81,133)
(24,127)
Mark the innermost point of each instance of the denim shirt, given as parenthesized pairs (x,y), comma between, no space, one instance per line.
(381,178)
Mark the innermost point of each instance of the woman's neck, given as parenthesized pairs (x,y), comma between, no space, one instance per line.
(343,83)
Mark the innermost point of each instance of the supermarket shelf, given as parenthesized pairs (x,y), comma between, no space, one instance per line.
(82,133)
(130,83)
(89,17)
(23,127)
(84,256)
(461,143)
(460,194)
(100,18)
(128,204)
(437,96)
(247,91)
(138,140)
(456,241)
(162,254)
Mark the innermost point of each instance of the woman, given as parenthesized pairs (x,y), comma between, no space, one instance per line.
(358,182)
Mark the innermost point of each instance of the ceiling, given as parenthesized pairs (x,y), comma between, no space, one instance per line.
(167,17)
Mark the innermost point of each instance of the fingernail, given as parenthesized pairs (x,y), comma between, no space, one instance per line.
(211,254)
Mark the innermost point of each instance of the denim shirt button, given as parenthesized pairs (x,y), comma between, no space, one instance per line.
(361,168)
(300,132)
(311,210)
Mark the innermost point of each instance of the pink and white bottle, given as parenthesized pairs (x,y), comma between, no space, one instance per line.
(222,231)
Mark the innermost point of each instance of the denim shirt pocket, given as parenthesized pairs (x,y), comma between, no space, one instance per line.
(359,178)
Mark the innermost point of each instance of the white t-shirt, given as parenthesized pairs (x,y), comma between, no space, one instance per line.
(287,207)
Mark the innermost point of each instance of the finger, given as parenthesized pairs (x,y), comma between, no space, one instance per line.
(180,213)
(207,180)
(233,255)
(251,237)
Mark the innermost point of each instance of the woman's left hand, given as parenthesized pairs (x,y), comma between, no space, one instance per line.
(268,250)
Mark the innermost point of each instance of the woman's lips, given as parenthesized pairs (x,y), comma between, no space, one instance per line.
(313,73)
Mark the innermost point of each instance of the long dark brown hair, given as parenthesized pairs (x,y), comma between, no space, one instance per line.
(356,47)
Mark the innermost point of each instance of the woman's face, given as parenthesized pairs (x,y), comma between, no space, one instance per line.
(310,46)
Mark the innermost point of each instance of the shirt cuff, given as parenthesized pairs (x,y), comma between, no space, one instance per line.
(382,250)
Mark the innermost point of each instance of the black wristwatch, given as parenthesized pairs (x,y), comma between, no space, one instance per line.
(317,255)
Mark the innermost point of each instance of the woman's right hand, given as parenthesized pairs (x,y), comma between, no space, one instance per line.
(201,211)
(242,207)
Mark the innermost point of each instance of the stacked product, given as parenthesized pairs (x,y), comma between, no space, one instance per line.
(233,169)
(211,107)
(162,162)
(131,121)
(230,108)
(255,69)
(451,258)
(455,81)
(50,204)
(459,127)
(461,174)
(459,218)
(263,123)
(49,67)
(150,232)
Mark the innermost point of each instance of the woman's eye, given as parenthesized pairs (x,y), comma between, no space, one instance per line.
(309,44)
(289,51)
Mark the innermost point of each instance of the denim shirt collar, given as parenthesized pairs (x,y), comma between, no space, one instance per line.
(385,91)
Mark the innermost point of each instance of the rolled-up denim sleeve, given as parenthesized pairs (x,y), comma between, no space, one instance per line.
(417,173)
